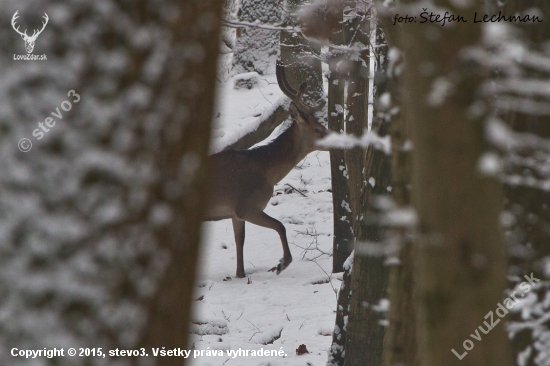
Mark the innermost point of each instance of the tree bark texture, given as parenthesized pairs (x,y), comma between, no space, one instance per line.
(301,58)
(400,339)
(460,261)
(343,231)
(101,218)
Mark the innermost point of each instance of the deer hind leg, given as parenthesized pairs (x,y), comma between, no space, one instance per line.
(260,218)
(238,230)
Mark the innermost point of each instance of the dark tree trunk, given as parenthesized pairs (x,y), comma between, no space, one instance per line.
(369,172)
(301,58)
(336,352)
(343,232)
(101,219)
(460,260)
(356,30)
(356,124)
(257,49)
(400,340)
(365,332)
(170,309)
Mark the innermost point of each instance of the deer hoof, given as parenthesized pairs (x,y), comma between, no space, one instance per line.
(283,263)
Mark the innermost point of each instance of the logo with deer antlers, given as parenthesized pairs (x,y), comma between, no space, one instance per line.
(29,40)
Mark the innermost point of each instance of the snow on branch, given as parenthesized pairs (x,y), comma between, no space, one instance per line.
(525,152)
(262,127)
(503,137)
(273,27)
(344,141)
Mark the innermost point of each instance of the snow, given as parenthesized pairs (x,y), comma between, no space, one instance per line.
(345,141)
(241,111)
(266,310)
(489,164)
(441,89)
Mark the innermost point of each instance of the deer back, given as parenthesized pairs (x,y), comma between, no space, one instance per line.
(249,175)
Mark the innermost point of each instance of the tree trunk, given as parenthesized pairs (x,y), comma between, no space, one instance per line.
(100,220)
(336,352)
(170,309)
(460,261)
(365,333)
(257,49)
(228,40)
(369,173)
(400,338)
(357,30)
(301,59)
(343,232)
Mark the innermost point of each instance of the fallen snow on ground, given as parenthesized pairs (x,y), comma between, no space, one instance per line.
(266,311)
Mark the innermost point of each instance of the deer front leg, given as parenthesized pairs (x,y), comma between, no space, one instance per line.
(260,218)
(238,230)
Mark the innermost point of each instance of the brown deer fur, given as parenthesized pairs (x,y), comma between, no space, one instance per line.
(243,181)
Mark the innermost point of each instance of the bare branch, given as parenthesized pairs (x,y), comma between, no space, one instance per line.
(273,27)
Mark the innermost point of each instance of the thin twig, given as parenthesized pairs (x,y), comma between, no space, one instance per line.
(296,189)
(264,95)
(253,335)
(273,27)
(313,233)
(226,317)
(329,278)
(241,314)
(254,326)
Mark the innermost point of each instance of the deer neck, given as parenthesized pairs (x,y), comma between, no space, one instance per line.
(284,153)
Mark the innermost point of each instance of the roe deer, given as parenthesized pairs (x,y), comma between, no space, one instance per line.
(242,181)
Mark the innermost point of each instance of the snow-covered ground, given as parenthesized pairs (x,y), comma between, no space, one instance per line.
(287,310)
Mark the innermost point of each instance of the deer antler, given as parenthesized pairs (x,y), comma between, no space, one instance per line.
(289,91)
(37,33)
(283,82)
(13,21)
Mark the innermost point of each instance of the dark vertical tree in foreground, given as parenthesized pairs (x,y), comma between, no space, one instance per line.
(342,218)
(358,333)
(369,279)
(100,219)
(400,338)
(460,260)
(183,181)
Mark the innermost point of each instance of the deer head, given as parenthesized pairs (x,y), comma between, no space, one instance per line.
(300,112)
(29,40)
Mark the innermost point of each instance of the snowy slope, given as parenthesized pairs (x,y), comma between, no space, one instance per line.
(299,303)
